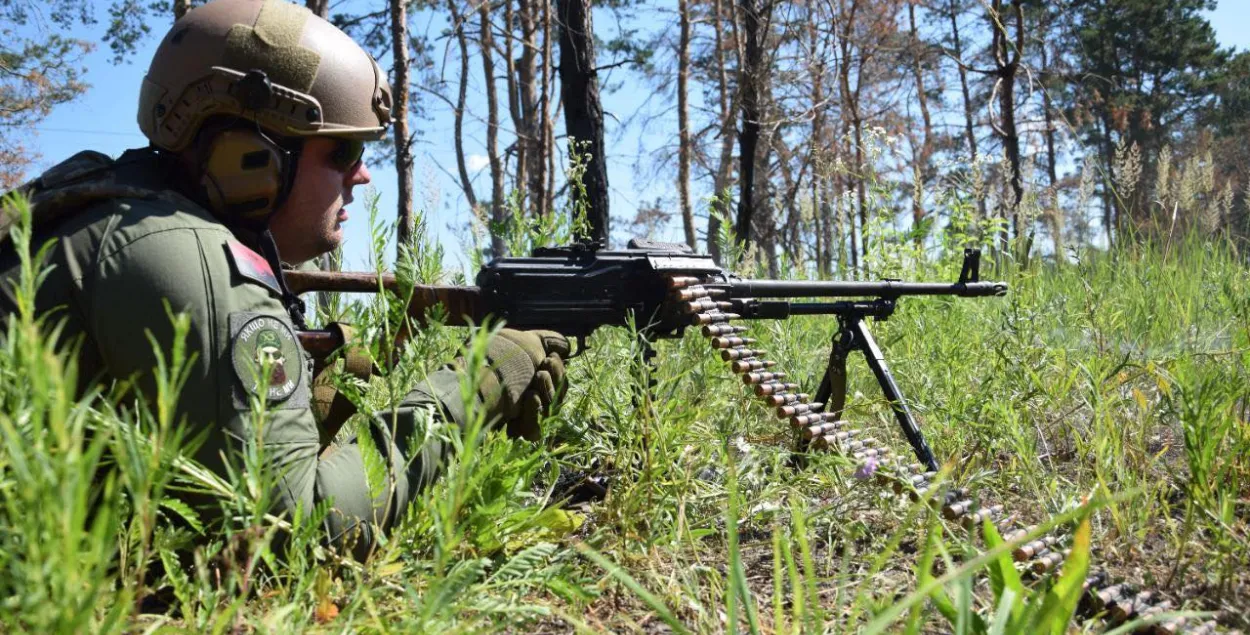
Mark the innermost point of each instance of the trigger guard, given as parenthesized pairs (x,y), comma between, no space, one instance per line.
(581,346)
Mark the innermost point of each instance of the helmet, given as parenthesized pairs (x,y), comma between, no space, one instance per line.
(274,65)
(268,61)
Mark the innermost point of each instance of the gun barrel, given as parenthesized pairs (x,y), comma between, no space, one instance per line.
(885,288)
(341,281)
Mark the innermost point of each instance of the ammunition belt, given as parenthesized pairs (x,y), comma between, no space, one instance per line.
(823,431)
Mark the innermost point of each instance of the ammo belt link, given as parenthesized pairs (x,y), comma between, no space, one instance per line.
(820,431)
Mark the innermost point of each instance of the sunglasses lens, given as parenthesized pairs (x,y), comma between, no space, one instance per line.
(347,153)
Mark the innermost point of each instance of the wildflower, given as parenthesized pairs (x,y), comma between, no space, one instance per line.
(866,469)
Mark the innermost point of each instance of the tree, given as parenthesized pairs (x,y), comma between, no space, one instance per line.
(752,77)
(956,51)
(683,122)
(521,29)
(320,8)
(726,100)
(399,107)
(40,73)
(458,21)
(583,112)
(818,146)
(1006,64)
(923,150)
(35,77)
(486,39)
(1046,41)
(1145,68)
(870,73)
(1227,118)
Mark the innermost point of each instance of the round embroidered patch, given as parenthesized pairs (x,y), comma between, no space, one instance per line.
(266,342)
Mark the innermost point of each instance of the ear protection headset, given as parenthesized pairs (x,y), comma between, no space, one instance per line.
(245,174)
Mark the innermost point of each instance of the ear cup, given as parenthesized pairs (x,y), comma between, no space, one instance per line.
(243,174)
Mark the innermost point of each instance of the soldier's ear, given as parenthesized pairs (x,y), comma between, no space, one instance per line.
(243,174)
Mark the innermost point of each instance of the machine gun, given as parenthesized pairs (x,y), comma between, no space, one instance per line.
(663,289)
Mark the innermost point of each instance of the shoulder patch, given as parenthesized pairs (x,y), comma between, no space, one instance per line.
(251,265)
(261,343)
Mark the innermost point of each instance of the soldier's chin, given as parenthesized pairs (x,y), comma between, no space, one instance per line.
(332,239)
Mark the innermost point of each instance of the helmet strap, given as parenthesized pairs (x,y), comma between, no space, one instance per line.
(294,305)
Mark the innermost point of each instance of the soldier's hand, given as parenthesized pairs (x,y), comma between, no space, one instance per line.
(529,366)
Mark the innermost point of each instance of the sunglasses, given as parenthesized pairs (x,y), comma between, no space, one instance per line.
(346,153)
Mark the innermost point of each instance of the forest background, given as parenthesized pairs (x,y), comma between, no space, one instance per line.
(1035,113)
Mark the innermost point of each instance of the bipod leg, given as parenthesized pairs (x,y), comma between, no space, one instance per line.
(832,390)
(876,361)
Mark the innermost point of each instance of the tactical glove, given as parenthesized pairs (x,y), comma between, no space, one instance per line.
(525,378)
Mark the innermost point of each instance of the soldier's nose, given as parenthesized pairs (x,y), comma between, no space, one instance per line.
(359,176)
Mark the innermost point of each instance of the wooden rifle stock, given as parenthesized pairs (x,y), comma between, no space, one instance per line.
(462,305)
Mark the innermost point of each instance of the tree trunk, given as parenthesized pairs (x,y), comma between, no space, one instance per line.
(1108,197)
(861,194)
(399,112)
(816,149)
(549,143)
(721,182)
(531,133)
(1007,63)
(751,76)
(511,81)
(683,123)
(854,177)
(457,131)
(583,113)
(922,168)
(792,236)
(1048,113)
(492,131)
(969,129)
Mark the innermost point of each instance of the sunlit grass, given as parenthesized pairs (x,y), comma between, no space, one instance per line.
(1120,379)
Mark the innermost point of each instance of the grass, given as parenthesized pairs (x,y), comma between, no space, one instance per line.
(1111,392)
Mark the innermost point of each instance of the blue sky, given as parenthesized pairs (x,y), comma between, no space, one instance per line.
(104,120)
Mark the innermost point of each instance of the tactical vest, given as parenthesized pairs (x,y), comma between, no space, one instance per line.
(82,180)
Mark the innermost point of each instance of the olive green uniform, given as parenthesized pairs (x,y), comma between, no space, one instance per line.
(115,265)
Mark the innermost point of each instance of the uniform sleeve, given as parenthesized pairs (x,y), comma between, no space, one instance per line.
(233,320)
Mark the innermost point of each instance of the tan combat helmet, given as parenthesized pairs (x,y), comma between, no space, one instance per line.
(304,76)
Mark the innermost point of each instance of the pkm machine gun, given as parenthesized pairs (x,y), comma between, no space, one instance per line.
(663,289)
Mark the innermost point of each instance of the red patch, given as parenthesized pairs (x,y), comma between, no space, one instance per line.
(251,265)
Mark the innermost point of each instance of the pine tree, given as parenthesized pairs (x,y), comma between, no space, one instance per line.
(1145,68)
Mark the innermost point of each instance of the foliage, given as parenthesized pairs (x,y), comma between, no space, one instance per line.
(41,69)
(1121,379)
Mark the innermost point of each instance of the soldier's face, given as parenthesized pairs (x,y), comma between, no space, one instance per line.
(309,223)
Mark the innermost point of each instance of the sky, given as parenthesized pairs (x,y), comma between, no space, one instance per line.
(103,119)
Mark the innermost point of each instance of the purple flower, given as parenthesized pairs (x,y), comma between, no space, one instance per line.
(866,469)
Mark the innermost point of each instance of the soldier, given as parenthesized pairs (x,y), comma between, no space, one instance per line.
(257,112)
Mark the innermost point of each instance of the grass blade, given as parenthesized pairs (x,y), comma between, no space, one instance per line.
(630,583)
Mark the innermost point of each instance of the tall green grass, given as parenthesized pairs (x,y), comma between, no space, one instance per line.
(1120,378)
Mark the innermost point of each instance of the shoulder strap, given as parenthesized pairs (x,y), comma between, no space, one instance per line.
(80,181)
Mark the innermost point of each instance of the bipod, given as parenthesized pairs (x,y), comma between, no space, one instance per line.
(853,335)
